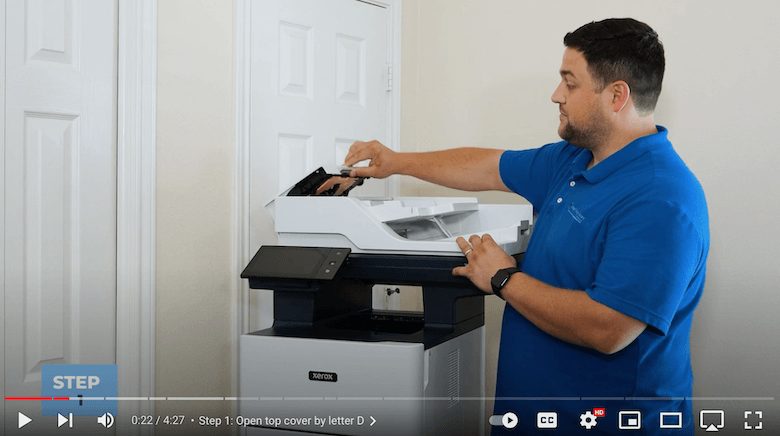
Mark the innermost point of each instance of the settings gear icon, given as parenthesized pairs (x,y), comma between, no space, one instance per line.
(588,420)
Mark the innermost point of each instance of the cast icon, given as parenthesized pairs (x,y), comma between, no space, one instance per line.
(712,420)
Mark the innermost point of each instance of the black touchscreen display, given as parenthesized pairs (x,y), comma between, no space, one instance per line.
(290,262)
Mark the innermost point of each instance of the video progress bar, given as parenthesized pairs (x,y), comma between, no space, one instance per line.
(130,398)
(388,398)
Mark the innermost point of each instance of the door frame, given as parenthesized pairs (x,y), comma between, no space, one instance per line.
(136,207)
(242,255)
(2,207)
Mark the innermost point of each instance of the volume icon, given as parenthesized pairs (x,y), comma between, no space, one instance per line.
(107,420)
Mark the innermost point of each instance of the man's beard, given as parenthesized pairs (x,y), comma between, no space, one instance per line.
(592,135)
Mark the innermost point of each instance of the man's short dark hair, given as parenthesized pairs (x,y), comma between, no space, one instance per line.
(623,49)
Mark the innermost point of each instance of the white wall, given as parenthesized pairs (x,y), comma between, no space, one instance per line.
(482,73)
(195,152)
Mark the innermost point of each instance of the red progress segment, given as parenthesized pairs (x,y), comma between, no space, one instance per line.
(36,398)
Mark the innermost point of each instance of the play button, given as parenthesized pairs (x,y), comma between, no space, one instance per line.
(509,420)
(23,420)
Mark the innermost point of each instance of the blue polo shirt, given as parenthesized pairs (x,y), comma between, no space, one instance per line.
(633,233)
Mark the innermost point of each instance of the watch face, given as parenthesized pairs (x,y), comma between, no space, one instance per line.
(500,279)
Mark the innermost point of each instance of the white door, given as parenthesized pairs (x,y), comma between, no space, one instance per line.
(59,193)
(319,80)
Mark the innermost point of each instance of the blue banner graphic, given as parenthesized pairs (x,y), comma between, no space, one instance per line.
(87,386)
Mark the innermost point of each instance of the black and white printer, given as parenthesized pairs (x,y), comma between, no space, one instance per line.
(331,364)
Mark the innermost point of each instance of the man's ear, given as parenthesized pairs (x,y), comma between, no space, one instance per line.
(621,94)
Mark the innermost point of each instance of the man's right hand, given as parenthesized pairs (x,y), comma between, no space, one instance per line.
(383,161)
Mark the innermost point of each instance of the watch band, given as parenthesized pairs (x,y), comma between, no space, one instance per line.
(497,293)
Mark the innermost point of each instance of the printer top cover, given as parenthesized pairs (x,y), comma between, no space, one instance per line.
(399,225)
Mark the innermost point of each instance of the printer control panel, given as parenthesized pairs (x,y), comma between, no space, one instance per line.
(306,263)
(333,261)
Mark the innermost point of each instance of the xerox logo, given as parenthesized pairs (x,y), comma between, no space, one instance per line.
(323,376)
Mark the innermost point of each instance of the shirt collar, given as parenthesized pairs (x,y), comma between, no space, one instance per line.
(620,158)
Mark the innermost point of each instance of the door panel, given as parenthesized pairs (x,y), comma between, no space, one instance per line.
(319,82)
(60,192)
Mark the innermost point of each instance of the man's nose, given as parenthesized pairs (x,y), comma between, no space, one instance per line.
(557,96)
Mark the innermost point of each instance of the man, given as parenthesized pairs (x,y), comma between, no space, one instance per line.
(599,314)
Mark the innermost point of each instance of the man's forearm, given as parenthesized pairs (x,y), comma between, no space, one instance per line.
(467,169)
(571,315)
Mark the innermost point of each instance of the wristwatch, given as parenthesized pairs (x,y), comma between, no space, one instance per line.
(500,280)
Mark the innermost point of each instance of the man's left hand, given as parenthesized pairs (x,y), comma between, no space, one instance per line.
(484,258)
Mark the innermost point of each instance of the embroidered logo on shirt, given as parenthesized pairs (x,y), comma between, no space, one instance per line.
(576,214)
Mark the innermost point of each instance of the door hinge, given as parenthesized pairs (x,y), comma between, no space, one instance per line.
(389,77)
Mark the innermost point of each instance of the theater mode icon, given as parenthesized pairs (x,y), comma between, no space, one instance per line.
(671,420)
